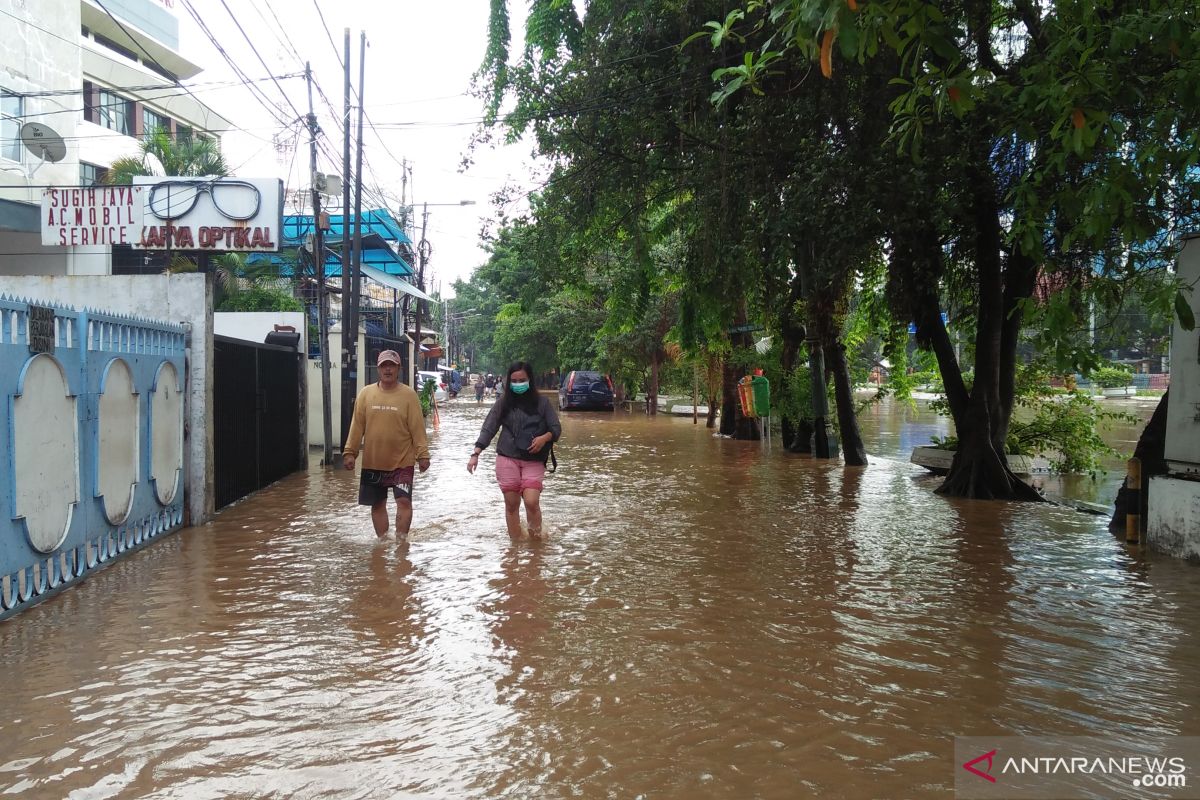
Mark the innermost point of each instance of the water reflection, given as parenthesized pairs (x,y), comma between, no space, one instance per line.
(708,618)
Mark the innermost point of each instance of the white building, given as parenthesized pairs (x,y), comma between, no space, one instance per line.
(100,75)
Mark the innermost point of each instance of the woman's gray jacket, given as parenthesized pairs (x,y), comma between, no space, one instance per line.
(518,429)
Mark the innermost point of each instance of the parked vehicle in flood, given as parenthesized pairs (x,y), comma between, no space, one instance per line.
(439,394)
(585,389)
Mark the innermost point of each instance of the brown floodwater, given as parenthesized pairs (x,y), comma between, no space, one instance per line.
(708,618)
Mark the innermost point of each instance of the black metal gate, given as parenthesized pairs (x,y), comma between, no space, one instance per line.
(376,343)
(256,416)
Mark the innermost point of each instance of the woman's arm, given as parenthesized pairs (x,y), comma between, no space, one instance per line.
(552,421)
(491,424)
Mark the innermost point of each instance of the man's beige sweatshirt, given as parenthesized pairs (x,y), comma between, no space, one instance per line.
(389,426)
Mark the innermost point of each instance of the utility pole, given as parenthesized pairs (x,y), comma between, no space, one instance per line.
(422,257)
(356,266)
(404,226)
(319,273)
(349,384)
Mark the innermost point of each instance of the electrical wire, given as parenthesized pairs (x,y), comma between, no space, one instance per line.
(172,92)
(254,50)
(279,115)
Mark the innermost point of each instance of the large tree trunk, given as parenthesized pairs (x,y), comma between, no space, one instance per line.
(854,452)
(729,402)
(980,470)
(1151,449)
(652,387)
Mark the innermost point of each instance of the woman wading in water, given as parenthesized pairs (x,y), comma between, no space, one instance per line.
(528,426)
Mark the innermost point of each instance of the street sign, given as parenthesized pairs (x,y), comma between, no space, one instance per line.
(747,327)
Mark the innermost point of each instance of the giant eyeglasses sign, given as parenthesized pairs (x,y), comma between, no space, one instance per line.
(214,214)
(217,214)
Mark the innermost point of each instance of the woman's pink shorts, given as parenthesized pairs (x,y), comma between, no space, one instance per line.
(515,475)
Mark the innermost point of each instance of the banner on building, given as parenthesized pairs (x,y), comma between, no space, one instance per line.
(91,215)
(195,214)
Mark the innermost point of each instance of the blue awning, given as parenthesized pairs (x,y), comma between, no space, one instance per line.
(375,253)
(378,222)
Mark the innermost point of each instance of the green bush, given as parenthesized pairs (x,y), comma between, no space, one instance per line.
(260,298)
(1063,428)
(426,395)
(1112,377)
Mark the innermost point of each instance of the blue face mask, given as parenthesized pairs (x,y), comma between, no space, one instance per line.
(519,388)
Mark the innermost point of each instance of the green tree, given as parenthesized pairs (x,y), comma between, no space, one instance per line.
(160,154)
(1045,140)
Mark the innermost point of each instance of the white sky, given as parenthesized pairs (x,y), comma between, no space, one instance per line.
(420,58)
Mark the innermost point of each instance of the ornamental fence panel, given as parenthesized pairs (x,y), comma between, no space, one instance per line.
(91,443)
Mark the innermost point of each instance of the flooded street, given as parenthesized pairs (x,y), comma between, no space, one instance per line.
(706,619)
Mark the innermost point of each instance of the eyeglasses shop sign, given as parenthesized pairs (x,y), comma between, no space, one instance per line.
(216,214)
(220,215)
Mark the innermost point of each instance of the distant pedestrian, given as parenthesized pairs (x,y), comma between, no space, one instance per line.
(389,429)
(490,384)
(479,387)
(528,426)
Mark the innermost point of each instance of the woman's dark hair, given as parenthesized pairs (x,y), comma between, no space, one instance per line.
(510,399)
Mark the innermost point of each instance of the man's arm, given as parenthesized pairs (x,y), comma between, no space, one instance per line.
(416,429)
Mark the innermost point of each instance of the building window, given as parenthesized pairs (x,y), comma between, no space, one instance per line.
(91,175)
(114,112)
(152,121)
(116,48)
(11,111)
(183,134)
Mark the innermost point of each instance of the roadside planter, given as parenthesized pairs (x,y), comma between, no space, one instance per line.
(938,460)
(1119,391)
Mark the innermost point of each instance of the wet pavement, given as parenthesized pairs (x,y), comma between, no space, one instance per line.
(708,618)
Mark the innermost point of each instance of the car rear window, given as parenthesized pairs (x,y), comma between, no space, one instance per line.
(587,375)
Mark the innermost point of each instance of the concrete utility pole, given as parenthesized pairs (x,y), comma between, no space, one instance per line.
(319,273)
(422,257)
(348,340)
(356,265)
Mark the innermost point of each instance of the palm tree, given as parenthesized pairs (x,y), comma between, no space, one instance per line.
(162,155)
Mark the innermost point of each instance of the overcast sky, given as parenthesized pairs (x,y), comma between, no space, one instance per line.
(420,58)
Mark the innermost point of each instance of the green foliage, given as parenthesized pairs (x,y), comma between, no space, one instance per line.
(1112,377)
(425,394)
(1065,429)
(260,298)
(160,154)
(1061,426)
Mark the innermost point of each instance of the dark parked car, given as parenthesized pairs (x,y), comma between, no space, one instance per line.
(585,389)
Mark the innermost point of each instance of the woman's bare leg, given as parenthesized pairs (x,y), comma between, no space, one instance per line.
(533,511)
(512,513)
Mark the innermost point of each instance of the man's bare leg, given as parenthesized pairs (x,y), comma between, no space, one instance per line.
(379,518)
(512,514)
(533,511)
(404,516)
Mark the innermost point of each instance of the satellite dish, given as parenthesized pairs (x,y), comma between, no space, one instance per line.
(43,142)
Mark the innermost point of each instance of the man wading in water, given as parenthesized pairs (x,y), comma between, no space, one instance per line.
(388,415)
